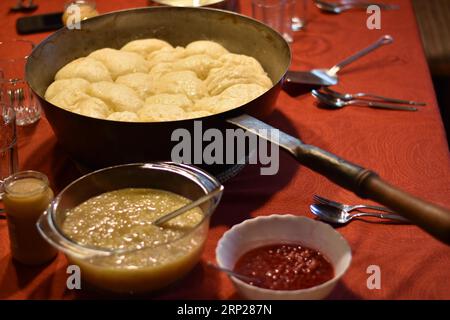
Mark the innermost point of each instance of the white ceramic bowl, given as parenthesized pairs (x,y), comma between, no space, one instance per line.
(276,229)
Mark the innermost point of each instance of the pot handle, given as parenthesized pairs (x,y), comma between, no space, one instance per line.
(365,183)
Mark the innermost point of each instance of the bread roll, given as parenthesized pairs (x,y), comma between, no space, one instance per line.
(75,84)
(118,96)
(211,48)
(184,82)
(161,112)
(144,47)
(142,83)
(120,62)
(86,68)
(125,116)
(92,107)
(178,100)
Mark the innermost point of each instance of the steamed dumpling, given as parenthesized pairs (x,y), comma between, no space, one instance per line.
(126,116)
(201,64)
(184,82)
(140,82)
(211,48)
(146,46)
(92,107)
(161,112)
(86,68)
(120,62)
(76,84)
(165,55)
(118,96)
(67,99)
(230,98)
(232,60)
(178,100)
(222,78)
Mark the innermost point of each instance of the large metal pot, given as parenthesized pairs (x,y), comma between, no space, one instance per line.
(97,143)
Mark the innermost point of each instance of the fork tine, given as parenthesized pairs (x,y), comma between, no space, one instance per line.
(326,201)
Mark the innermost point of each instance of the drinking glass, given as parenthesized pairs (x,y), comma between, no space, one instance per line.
(300,15)
(277,14)
(14,89)
(8,144)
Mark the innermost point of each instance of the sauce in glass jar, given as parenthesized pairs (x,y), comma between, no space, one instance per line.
(27,196)
(285,267)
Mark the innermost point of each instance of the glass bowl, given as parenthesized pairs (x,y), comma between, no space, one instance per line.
(276,229)
(138,270)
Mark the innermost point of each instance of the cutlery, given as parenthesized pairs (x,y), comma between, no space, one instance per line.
(328,77)
(21,6)
(339,7)
(340,216)
(349,96)
(172,215)
(336,103)
(234,274)
(348,207)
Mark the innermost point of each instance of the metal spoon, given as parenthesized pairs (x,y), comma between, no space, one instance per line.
(234,274)
(347,5)
(328,77)
(336,103)
(349,96)
(339,216)
(172,215)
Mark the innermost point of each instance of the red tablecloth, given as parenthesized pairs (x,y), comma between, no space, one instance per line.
(408,149)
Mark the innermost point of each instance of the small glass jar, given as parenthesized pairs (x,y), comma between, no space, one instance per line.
(85,8)
(27,196)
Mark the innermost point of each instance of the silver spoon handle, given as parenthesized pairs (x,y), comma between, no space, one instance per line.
(232,273)
(366,206)
(380,105)
(381,215)
(190,206)
(365,4)
(387,99)
(386,39)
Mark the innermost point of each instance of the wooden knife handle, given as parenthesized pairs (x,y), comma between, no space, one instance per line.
(367,184)
(432,218)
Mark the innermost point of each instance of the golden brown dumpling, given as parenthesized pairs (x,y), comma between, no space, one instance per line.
(86,68)
(118,96)
(144,47)
(120,62)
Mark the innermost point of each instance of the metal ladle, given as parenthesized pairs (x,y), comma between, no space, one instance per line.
(328,77)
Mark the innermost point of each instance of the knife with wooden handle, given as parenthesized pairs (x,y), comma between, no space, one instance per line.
(365,183)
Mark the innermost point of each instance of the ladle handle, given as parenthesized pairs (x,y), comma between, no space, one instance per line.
(365,183)
(386,39)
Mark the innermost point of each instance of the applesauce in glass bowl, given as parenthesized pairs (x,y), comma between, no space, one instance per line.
(103,223)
